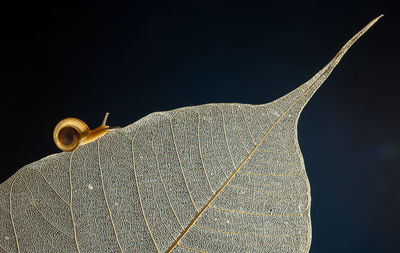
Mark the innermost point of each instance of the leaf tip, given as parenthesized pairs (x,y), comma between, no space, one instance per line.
(374,21)
(377,18)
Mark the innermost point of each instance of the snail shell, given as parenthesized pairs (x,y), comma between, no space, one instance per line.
(69,133)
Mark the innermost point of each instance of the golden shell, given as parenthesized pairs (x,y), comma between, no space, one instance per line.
(69,133)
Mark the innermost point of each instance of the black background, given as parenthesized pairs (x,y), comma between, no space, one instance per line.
(130,60)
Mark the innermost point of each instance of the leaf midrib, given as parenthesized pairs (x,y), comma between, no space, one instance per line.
(239,166)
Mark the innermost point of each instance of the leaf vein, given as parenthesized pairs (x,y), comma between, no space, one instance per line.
(267,192)
(180,165)
(162,180)
(188,248)
(105,197)
(246,234)
(137,187)
(41,213)
(201,156)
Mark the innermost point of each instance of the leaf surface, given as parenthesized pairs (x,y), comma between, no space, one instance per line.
(209,178)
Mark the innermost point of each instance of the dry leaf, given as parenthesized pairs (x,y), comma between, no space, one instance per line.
(209,178)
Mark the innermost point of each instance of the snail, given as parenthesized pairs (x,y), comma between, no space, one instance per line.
(69,133)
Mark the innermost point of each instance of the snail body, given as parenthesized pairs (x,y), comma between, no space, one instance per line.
(70,133)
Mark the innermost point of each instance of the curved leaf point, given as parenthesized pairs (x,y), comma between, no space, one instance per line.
(208,178)
(299,97)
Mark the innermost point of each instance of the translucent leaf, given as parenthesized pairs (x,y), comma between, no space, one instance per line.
(209,178)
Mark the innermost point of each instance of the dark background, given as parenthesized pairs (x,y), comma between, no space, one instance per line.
(131,60)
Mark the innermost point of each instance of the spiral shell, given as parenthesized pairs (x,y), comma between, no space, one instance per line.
(69,133)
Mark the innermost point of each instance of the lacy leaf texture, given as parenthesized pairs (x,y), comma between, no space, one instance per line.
(208,178)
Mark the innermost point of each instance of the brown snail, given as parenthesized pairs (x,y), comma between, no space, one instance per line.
(69,133)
